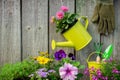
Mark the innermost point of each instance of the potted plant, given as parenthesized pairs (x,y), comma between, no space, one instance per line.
(71,28)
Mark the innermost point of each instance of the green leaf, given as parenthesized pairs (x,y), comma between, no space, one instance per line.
(76,63)
(79,76)
(81,67)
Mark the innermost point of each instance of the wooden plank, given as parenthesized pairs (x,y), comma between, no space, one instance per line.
(9,31)
(86,8)
(116,53)
(54,6)
(34,27)
(113,38)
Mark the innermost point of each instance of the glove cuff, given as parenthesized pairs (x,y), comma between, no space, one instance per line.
(105,2)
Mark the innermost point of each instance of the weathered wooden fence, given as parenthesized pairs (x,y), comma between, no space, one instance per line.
(25,28)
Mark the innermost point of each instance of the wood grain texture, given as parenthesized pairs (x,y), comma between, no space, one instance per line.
(9,31)
(113,38)
(54,6)
(34,27)
(116,43)
(86,8)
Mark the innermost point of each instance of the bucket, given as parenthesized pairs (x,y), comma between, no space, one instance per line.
(94,64)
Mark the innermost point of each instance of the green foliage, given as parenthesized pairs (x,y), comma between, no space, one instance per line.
(98,47)
(18,71)
(68,21)
(112,70)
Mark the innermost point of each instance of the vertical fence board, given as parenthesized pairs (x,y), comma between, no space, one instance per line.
(113,38)
(34,27)
(86,8)
(54,6)
(9,31)
(116,43)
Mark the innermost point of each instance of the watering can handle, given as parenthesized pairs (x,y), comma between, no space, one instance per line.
(86,21)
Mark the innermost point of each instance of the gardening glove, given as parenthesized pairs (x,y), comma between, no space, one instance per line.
(106,22)
(95,17)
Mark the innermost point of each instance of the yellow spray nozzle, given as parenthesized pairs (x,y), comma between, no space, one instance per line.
(62,44)
(53,44)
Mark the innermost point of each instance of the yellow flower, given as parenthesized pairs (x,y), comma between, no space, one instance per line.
(42,60)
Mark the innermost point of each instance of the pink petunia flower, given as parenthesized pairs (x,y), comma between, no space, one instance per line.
(64,8)
(59,15)
(68,72)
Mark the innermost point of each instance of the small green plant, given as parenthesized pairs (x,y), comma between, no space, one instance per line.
(18,71)
(98,47)
(98,50)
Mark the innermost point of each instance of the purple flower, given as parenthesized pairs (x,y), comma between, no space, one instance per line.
(51,71)
(68,72)
(64,8)
(59,55)
(59,15)
(42,72)
(70,55)
(111,59)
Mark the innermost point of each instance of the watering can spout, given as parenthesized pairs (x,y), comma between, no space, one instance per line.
(61,44)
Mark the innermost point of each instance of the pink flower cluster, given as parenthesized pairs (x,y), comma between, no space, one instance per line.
(60,14)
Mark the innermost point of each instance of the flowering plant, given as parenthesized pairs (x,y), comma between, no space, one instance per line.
(64,19)
(110,71)
(57,67)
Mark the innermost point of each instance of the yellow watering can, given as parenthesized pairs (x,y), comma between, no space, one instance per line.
(77,36)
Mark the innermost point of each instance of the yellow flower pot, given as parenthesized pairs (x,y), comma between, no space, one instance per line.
(77,36)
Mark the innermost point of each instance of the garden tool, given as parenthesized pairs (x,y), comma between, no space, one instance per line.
(106,17)
(106,55)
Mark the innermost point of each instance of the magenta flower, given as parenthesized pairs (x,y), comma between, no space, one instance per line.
(68,72)
(59,15)
(94,77)
(92,68)
(64,8)
(86,71)
(115,71)
(98,72)
(60,54)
